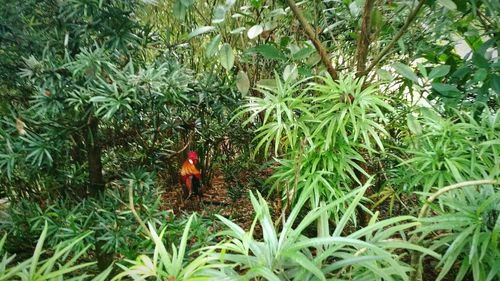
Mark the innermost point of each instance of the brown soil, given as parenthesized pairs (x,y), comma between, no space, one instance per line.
(215,200)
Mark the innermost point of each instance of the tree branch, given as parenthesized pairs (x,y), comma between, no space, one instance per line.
(400,33)
(314,38)
(364,38)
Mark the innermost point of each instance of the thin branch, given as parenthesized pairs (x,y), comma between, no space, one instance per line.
(364,38)
(400,33)
(134,212)
(311,34)
(423,211)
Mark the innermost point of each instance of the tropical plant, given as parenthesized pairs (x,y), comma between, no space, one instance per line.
(56,264)
(324,131)
(443,151)
(109,218)
(464,229)
(370,253)
(281,107)
(168,265)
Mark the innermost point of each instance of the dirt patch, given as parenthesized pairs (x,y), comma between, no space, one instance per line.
(215,200)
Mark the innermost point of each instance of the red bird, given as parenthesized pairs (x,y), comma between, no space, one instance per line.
(191,176)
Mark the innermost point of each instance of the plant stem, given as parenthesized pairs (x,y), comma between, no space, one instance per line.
(134,212)
(364,38)
(400,33)
(94,153)
(314,38)
(423,211)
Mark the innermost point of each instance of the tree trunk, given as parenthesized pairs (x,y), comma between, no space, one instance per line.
(94,151)
(96,183)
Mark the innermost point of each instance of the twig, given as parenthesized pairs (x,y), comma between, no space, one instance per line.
(400,33)
(423,211)
(314,38)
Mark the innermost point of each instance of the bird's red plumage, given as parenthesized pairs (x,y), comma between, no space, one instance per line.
(189,170)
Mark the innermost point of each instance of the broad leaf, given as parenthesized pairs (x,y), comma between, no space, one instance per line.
(290,73)
(200,30)
(448,4)
(212,47)
(405,71)
(226,56)
(439,71)
(384,74)
(480,74)
(268,52)
(255,31)
(219,14)
(242,82)
(445,88)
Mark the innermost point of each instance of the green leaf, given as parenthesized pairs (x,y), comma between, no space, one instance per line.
(413,124)
(405,71)
(448,4)
(212,47)
(290,73)
(421,68)
(461,72)
(303,53)
(268,52)
(480,74)
(237,30)
(255,31)
(480,61)
(219,14)
(307,264)
(384,75)
(179,10)
(439,71)
(495,84)
(226,56)
(200,30)
(445,88)
(187,3)
(38,251)
(242,82)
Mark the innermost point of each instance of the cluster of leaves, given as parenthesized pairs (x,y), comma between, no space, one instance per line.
(60,261)
(107,217)
(443,151)
(370,252)
(377,251)
(323,131)
(91,89)
(288,254)
(455,66)
(121,97)
(465,230)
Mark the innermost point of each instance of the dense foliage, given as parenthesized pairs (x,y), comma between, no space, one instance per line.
(364,135)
